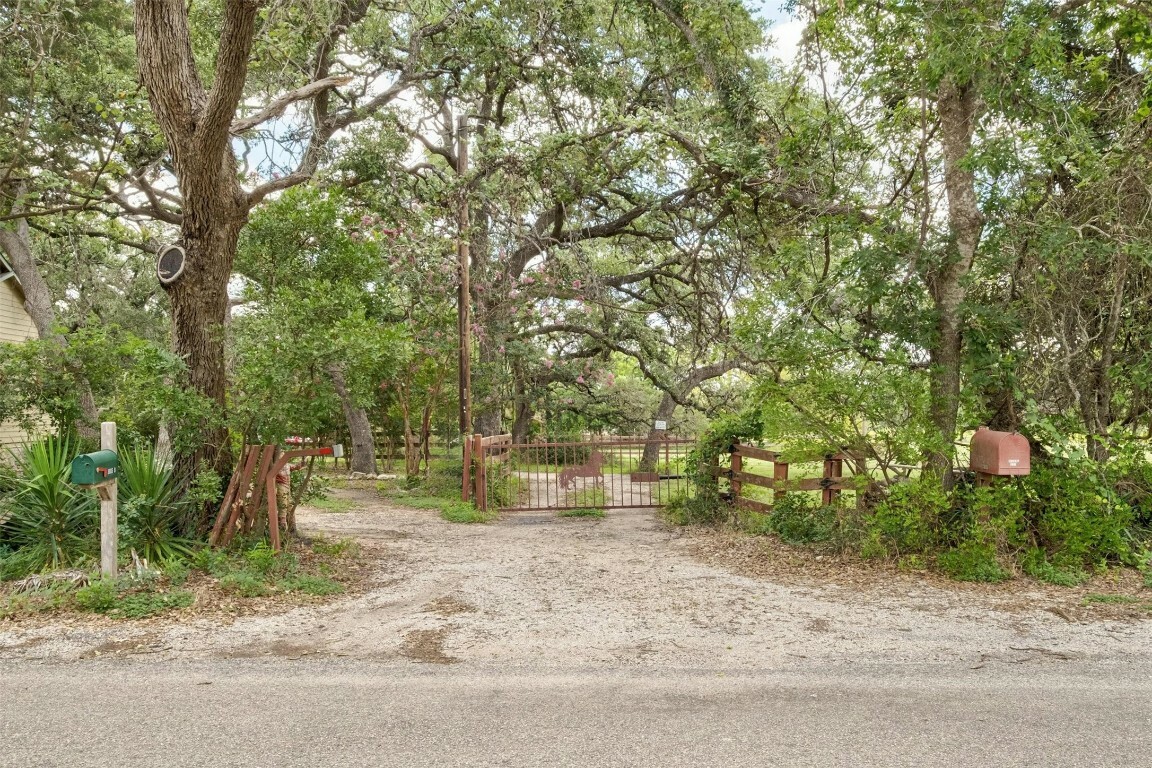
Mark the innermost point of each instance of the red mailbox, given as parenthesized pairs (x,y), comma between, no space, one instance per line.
(1000,453)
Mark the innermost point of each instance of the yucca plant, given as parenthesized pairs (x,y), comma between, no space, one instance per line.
(152,507)
(49,523)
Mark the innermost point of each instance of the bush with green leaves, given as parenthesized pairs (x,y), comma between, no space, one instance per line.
(972,561)
(909,519)
(798,518)
(153,508)
(50,523)
(1075,514)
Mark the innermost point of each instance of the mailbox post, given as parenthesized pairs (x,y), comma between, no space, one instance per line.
(99,470)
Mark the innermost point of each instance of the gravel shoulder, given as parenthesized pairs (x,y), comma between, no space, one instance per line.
(537,591)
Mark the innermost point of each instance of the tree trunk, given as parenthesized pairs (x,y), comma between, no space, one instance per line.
(651,453)
(363,457)
(958,106)
(199,302)
(522,424)
(523,412)
(38,303)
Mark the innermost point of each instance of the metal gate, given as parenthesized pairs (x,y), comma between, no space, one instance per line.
(607,473)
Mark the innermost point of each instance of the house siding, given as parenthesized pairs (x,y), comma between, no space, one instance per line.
(15,326)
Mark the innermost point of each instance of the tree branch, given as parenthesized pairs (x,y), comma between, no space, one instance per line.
(277,106)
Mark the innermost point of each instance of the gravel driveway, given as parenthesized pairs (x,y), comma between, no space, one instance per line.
(621,592)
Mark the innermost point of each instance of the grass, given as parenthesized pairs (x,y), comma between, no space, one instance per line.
(582,512)
(334,505)
(338,548)
(463,512)
(123,600)
(1112,599)
(586,498)
(450,507)
(311,585)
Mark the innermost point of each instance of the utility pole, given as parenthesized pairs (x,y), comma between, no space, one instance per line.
(464,300)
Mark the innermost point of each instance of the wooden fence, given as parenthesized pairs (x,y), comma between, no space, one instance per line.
(830,484)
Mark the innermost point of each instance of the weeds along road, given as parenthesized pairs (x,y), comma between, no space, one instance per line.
(537,641)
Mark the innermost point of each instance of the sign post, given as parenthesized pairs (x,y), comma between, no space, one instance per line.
(108,507)
(99,470)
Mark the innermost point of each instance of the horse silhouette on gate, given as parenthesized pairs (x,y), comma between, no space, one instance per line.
(592,468)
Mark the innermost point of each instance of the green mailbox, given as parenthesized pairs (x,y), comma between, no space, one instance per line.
(95,468)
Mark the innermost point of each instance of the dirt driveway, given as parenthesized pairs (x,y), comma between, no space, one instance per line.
(624,591)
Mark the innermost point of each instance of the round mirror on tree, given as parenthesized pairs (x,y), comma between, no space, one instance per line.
(170,264)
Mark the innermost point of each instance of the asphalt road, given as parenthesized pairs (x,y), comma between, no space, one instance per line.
(332,712)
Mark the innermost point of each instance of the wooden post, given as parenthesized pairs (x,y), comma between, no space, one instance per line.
(464,296)
(108,509)
(481,473)
(779,479)
(737,466)
(466,486)
(826,494)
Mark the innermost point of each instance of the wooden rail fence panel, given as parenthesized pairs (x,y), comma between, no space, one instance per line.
(830,484)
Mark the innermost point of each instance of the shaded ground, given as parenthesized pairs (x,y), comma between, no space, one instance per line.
(622,592)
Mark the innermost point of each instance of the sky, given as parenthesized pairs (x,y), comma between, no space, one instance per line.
(785,30)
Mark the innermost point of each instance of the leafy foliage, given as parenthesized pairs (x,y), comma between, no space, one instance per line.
(50,523)
(154,508)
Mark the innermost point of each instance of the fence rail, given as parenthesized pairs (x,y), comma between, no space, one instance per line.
(830,484)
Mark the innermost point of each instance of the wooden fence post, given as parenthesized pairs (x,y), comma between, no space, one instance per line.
(466,486)
(779,479)
(481,473)
(737,467)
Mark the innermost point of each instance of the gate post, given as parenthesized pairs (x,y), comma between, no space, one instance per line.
(779,478)
(466,484)
(481,473)
(737,467)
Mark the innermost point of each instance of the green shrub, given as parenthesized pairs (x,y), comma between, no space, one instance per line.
(912,563)
(1075,514)
(212,561)
(139,605)
(98,596)
(757,523)
(318,490)
(910,518)
(176,571)
(153,508)
(51,524)
(1035,563)
(311,585)
(798,518)
(261,558)
(972,561)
